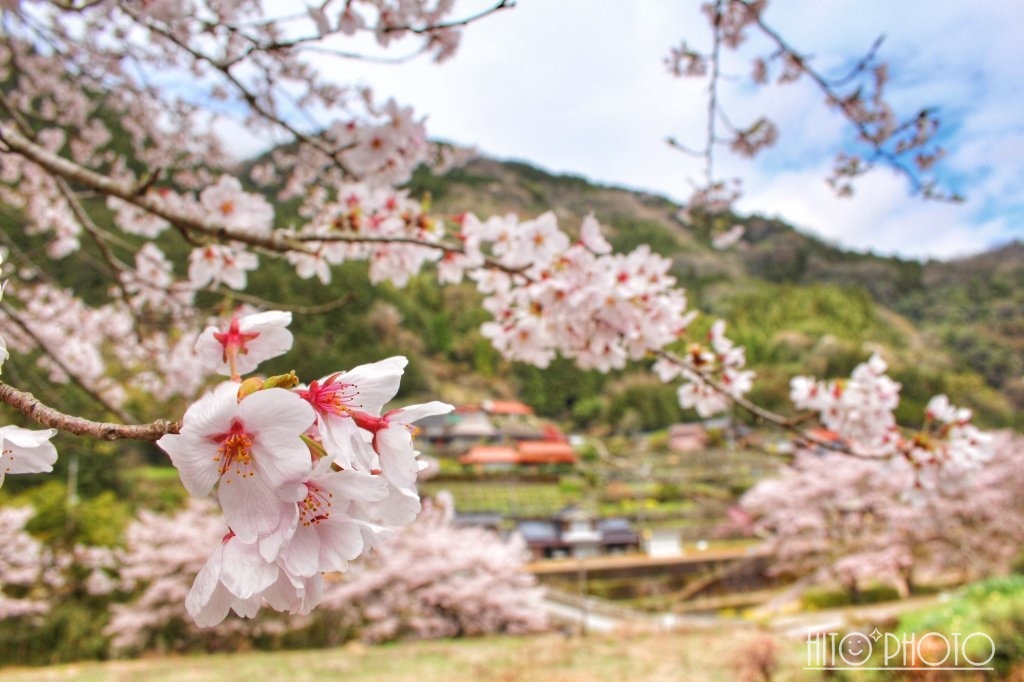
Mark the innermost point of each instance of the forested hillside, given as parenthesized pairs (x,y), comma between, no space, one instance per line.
(796,302)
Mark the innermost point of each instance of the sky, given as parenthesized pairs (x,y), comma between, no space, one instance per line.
(580,87)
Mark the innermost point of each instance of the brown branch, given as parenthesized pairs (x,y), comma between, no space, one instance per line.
(28,405)
(827,87)
(317,309)
(251,98)
(503,4)
(278,241)
(117,268)
(77,174)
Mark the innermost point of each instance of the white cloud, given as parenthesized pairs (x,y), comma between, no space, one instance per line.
(879,216)
(579,86)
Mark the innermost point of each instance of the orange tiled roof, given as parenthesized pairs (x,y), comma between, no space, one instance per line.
(490,454)
(526,452)
(512,407)
(544,452)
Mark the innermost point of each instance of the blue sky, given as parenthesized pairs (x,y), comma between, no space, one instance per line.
(578,86)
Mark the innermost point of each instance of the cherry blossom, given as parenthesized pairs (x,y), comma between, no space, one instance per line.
(234,578)
(392,439)
(337,397)
(326,536)
(713,377)
(236,209)
(25,451)
(591,237)
(245,343)
(215,264)
(252,447)
(859,409)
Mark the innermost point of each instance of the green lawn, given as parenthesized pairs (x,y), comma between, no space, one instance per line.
(510,499)
(651,657)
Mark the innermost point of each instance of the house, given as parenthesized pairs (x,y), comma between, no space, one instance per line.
(690,437)
(468,428)
(507,407)
(524,453)
(618,536)
(576,532)
(490,520)
(663,542)
(492,458)
(497,435)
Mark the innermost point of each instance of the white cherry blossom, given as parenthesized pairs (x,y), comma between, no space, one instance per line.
(252,448)
(26,451)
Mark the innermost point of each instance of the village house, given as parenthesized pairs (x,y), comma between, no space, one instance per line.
(576,532)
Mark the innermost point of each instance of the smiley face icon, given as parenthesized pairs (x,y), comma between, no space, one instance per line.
(855,649)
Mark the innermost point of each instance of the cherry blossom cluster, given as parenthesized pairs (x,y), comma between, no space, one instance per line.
(547,292)
(23,564)
(713,375)
(550,294)
(431,579)
(860,411)
(828,516)
(86,345)
(949,443)
(438,579)
(308,477)
(382,226)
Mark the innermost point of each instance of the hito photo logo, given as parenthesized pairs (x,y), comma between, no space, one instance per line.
(877,650)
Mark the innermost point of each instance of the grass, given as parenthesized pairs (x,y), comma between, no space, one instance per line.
(652,657)
(519,499)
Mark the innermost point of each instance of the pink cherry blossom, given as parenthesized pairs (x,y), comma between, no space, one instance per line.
(217,263)
(245,343)
(252,447)
(392,439)
(859,409)
(591,237)
(334,398)
(328,533)
(235,209)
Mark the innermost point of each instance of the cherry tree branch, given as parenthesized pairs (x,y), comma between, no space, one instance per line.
(75,173)
(32,408)
(847,106)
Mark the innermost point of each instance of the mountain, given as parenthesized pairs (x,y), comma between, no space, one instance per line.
(799,305)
